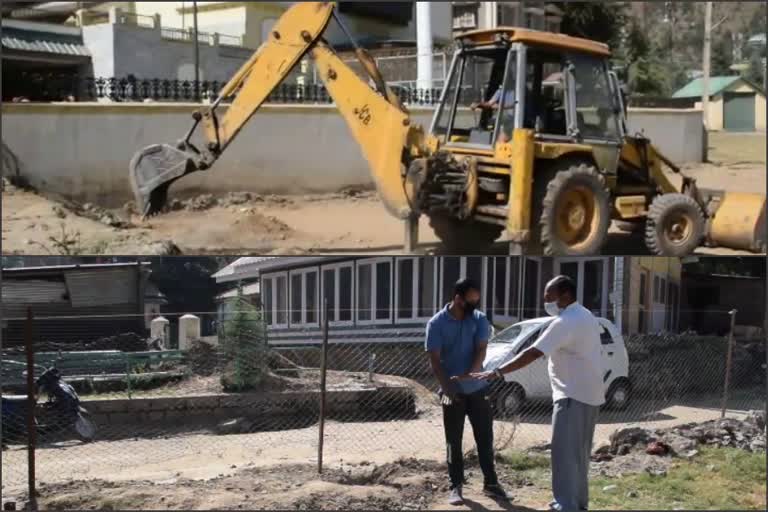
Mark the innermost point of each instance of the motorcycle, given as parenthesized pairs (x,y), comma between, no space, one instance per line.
(61,413)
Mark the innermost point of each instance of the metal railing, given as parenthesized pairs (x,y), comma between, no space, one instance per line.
(65,87)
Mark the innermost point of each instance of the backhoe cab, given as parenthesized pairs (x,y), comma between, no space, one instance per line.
(532,139)
(529,137)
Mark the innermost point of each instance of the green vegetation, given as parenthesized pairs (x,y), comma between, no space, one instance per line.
(717,478)
(658,45)
(519,461)
(244,347)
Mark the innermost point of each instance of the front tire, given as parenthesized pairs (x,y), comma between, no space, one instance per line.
(510,400)
(573,211)
(85,428)
(617,397)
(675,226)
(462,235)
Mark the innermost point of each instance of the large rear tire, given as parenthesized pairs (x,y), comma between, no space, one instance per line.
(571,211)
(464,235)
(675,226)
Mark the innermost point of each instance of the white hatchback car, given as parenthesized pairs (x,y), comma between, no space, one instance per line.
(532,383)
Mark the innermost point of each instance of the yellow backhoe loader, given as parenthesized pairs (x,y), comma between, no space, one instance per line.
(529,137)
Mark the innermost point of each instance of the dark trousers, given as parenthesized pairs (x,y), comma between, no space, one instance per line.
(477,407)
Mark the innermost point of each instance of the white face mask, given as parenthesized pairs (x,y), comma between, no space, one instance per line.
(551,308)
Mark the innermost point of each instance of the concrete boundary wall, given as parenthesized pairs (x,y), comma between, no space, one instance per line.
(82,150)
(340,403)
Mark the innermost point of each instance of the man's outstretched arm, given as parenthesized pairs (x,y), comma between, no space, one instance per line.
(445,384)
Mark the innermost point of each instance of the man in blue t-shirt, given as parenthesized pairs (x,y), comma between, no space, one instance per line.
(456,341)
(507,111)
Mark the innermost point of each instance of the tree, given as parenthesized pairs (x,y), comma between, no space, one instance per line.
(187,283)
(594,20)
(243,340)
(722,55)
(756,71)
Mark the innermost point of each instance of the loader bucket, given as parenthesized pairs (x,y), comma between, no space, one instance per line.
(739,222)
(152,170)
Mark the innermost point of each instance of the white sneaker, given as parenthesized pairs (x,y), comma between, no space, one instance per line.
(455,498)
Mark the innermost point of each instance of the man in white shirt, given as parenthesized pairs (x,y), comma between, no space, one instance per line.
(572,344)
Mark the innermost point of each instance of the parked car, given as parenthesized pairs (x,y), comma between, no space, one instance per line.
(532,383)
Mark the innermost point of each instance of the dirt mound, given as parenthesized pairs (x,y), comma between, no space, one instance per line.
(404,485)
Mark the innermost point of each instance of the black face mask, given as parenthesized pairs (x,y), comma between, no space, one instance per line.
(469,307)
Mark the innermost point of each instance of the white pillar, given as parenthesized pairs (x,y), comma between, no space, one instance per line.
(160,328)
(424,45)
(490,15)
(189,331)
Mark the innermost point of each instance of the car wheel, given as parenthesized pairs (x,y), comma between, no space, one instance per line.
(510,400)
(618,395)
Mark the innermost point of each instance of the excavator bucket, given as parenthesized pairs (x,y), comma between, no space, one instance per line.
(152,170)
(739,222)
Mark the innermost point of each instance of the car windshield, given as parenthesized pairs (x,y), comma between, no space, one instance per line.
(515,332)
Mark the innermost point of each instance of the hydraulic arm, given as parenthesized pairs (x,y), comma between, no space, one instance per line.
(378,121)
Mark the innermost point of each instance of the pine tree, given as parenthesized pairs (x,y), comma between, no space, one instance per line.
(244,346)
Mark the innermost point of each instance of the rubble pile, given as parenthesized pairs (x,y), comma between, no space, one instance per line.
(682,441)
(203,358)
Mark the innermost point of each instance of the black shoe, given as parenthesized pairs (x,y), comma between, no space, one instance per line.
(495,491)
(455,498)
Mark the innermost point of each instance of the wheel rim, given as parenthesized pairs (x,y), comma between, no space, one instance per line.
(511,403)
(619,396)
(678,228)
(575,216)
(85,427)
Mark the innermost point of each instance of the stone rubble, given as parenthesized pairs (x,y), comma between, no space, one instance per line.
(683,440)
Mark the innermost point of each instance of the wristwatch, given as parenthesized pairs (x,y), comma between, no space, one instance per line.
(498,373)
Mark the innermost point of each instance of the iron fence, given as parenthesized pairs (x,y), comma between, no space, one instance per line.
(56,87)
(243,392)
(65,87)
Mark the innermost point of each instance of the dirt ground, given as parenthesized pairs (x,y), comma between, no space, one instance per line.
(394,464)
(345,222)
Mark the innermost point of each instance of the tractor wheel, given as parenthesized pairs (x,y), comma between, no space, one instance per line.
(573,212)
(675,225)
(469,234)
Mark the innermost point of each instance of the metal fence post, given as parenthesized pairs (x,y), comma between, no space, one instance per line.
(323,368)
(728,359)
(128,376)
(31,403)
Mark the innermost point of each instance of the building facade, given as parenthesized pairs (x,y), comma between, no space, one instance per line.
(489,15)
(389,299)
(78,302)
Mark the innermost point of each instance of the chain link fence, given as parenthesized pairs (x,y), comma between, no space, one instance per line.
(213,392)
